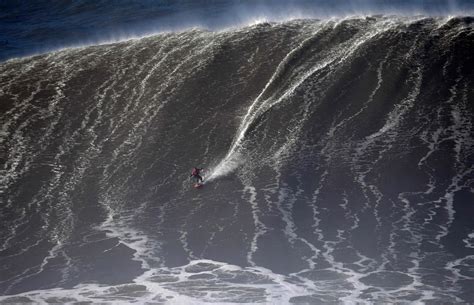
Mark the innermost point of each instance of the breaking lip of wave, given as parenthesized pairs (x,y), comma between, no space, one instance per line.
(243,15)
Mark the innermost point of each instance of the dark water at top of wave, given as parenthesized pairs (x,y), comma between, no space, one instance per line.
(339,157)
(33,27)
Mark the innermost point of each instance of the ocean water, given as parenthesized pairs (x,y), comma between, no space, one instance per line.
(337,142)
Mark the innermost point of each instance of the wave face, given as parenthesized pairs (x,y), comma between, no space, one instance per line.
(339,159)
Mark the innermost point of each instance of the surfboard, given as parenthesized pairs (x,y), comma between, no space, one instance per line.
(198,185)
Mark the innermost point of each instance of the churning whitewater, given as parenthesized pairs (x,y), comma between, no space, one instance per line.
(339,157)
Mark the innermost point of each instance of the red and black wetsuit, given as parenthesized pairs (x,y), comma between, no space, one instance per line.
(195,174)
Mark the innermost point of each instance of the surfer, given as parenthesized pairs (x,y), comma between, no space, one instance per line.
(195,173)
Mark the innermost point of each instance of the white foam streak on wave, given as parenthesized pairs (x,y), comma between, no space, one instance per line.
(260,227)
(132,238)
(469,240)
(460,133)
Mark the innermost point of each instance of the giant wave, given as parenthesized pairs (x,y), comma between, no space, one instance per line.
(339,157)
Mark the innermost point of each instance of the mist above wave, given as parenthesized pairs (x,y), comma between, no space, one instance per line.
(40,27)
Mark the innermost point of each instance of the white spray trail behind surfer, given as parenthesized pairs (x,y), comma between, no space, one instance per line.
(234,157)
